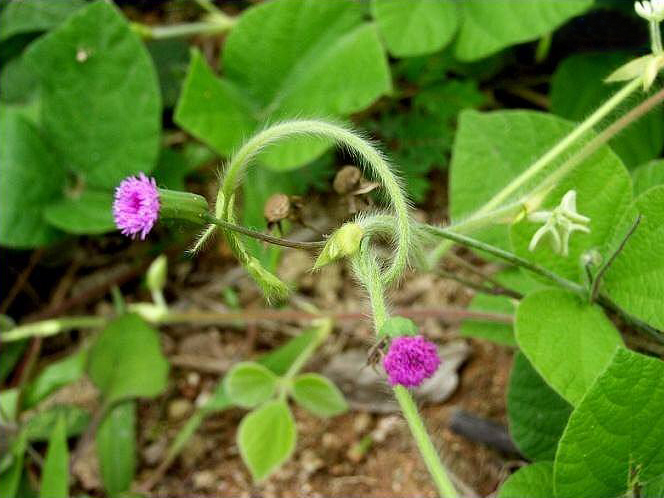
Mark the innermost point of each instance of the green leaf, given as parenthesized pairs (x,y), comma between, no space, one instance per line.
(126,360)
(531,481)
(249,384)
(417,27)
(90,212)
(18,82)
(567,341)
(116,448)
(10,479)
(41,424)
(397,326)
(54,376)
(647,175)
(615,434)
(30,179)
(324,60)
(537,414)
(100,95)
(31,16)
(171,58)
(266,438)
(490,26)
(492,149)
(55,473)
(318,395)
(501,333)
(634,279)
(577,88)
(8,399)
(281,359)
(11,353)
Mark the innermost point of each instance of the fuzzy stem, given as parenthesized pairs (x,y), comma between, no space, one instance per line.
(424,444)
(346,138)
(367,270)
(655,38)
(551,155)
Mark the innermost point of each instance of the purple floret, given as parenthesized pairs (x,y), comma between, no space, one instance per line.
(411,360)
(136,206)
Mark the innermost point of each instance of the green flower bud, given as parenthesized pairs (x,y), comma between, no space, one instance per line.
(156,275)
(183,206)
(343,243)
(272,287)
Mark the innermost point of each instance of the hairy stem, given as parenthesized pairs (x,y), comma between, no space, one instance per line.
(370,156)
(424,444)
(367,270)
(546,159)
(307,246)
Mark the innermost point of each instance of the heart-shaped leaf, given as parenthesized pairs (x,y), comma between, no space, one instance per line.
(567,341)
(613,441)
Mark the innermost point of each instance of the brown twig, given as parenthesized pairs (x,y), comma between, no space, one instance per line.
(594,289)
(21,280)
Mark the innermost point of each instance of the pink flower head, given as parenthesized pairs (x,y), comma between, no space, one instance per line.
(136,206)
(411,360)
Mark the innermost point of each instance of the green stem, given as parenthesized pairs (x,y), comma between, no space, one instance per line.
(424,444)
(552,154)
(51,327)
(504,255)
(214,24)
(323,330)
(262,236)
(655,38)
(365,266)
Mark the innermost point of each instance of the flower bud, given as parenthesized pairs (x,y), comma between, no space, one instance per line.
(343,243)
(156,274)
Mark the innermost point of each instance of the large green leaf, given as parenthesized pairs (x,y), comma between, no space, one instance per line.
(318,395)
(55,473)
(634,280)
(31,16)
(116,448)
(89,212)
(537,414)
(416,27)
(489,26)
(578,88)
(126,360)
(100,95)
(615,434)
(532,481)
(323,60)
(30,178)
(492,149)
(648,175)
(567,341)
(266,438)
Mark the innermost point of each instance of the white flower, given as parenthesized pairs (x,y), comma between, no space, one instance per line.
(651,10)
(561,222)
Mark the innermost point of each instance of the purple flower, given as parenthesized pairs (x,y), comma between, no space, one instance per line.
(411,360)
(136,206)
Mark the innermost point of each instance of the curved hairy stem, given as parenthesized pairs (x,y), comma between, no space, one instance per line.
(371,158)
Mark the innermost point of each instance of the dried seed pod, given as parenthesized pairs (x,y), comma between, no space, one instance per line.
(277,208)
(347,179)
